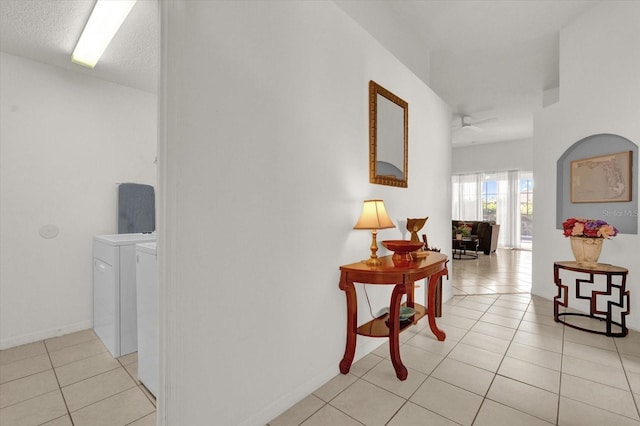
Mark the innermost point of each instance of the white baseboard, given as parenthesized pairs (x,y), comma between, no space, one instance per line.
(281,405)
(10,342)
(363,347)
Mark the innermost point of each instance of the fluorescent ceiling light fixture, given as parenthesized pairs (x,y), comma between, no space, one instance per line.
(103,24)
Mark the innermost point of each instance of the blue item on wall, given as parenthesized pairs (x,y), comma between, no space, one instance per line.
(136,208)
(384,168)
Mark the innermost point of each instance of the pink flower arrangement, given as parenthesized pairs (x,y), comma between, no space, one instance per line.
(590,228)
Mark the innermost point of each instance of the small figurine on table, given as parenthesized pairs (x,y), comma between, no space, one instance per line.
(414,225)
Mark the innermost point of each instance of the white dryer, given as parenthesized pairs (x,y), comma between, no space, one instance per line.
(114,290)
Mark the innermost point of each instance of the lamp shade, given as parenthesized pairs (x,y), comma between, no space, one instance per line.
(374,216)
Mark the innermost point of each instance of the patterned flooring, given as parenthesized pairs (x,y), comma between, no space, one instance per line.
(504,362)
(72,380)
(505,271)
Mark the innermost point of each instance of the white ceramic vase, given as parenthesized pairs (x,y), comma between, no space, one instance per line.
(586,250)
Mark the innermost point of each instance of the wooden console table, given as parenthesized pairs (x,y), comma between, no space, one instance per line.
(615,296)
(432,267)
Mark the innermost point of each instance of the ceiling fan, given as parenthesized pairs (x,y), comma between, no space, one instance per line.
(466,122)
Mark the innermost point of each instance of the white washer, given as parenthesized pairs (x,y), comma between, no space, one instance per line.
(147,294)
(114,290)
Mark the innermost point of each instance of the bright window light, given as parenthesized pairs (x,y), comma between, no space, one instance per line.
(103,24)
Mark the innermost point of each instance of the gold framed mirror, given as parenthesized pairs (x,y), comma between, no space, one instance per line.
(388,137)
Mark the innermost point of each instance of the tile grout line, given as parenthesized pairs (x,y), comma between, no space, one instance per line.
(79,359)
(58,388)
(495,374)
(120,365)
(439,363)
(139,418)
(55,373)
(503,357)
(484,398)
(406,400)
(530,304)
(137,382)
(626,376)
(28,375)
(325,403)
(334,407)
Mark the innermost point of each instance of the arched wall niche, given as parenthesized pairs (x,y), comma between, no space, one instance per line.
(623,215)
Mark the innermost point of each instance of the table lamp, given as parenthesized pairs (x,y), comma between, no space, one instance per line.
(374,216)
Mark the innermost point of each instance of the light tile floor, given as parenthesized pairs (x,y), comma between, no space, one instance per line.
(504,362)
(72,380)
(505,271)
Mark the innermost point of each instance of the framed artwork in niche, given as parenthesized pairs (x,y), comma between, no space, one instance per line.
(602,179)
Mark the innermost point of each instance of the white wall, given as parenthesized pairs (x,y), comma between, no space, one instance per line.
(599,93)
(493,157)
(264,165)
(391,32)
(65,139)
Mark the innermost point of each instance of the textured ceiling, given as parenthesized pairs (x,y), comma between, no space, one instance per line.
(47,31)
(489,59)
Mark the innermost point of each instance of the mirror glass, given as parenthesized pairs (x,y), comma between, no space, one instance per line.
(388,140)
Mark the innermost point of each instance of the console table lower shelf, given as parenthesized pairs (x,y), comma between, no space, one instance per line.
(379,327)
(432,267)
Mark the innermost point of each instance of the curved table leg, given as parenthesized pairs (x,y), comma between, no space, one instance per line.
(431,305)
(394,331)
(352,325)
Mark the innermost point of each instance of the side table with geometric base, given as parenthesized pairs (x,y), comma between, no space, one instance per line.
(609,303)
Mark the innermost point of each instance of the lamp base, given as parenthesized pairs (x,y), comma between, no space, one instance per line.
(373,261)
